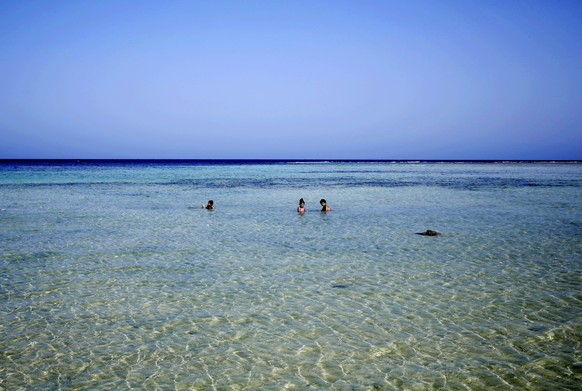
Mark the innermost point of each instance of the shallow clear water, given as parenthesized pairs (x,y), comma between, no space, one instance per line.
(112,276)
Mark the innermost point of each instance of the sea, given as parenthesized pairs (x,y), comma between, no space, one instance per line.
(113,276)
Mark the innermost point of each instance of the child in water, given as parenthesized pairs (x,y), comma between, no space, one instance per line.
(324,206)
(209,205)
(301,208)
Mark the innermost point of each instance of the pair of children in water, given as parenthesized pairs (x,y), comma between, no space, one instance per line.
(324,206)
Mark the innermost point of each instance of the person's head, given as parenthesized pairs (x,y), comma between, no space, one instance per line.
(210,203)
(322,202)
(301,202)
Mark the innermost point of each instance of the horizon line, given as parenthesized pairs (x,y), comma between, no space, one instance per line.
(266,160)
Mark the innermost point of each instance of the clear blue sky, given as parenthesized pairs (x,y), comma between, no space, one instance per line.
(491,79)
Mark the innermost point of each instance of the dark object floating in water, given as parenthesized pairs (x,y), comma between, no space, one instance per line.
(340,286)
(428,232)
(537,328)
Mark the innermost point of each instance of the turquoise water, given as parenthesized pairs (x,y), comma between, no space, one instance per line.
(113,277)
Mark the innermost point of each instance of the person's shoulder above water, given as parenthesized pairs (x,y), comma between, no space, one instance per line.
(324,206)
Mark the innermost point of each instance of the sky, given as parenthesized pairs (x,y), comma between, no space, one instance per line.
(120,79)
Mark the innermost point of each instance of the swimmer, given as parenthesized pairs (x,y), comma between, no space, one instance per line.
(209,205)
(301,208)
(324,206)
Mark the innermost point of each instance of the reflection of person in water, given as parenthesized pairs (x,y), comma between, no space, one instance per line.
(209,205)
(324,206)
(301,207)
